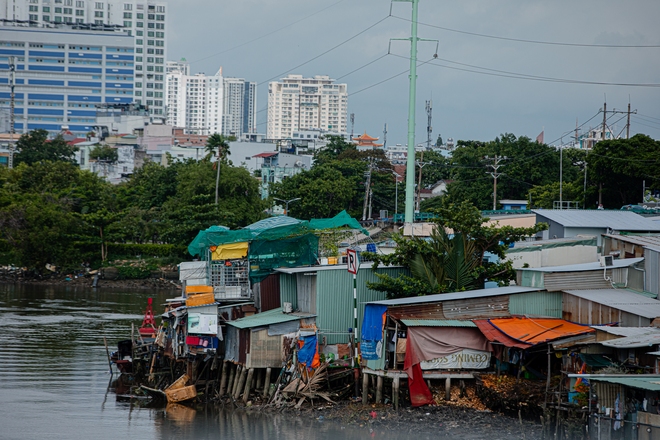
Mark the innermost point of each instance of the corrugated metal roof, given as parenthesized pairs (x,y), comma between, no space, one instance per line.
(648,339)
(437,323)
(650,383)
(625,262)
(623,300)
(649,241)
(599,218)
(622,331)
(441,297)
(344,267)
(275,316)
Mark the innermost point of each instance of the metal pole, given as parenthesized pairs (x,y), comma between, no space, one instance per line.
(355,331)
(561,171)
(410,162)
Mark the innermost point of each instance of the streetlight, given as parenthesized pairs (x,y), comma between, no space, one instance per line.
(286,202)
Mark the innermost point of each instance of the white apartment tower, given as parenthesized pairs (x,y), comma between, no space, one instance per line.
(240,100)
(144,19)
(296,104)
(193,102)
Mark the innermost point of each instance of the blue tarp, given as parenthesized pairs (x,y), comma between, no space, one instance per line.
(372,323)
(307,352)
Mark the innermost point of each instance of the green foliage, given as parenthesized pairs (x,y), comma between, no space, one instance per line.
(104,153)
(35,147)
(218,145)
(447,264)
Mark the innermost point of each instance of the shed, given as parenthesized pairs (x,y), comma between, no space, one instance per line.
(605,306)
(581,276)
(573,222)
(632,246)
(509,205)
(560,251)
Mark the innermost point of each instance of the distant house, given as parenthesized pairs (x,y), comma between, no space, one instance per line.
(571,223)
(509,205)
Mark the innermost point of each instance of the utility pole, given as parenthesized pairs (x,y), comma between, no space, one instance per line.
(495,166)
(367,188)
(12,105)
(628,123)
(429,128)
(602,135)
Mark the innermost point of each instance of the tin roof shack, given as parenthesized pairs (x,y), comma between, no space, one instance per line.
(627,347)
(327,291)
(625,406)
(606,306)
(597,275)
(556,252)
(573,222)
(260,343)
(386,325)
(635,246)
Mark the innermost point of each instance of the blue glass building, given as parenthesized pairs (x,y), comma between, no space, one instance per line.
(62,73)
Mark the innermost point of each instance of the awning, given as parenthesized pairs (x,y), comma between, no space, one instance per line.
(231,251)
(523,332)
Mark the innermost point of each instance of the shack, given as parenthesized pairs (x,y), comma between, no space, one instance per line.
(605,306)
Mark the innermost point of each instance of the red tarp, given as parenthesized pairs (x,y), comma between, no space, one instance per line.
(523,332)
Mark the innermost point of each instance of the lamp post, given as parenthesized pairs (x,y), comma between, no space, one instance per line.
(286,203)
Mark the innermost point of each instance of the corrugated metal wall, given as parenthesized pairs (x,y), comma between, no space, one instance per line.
(335,300)
(582,311)
(652,268)
(269,292)
(265,351)
(289,289)
(488,307)
(537,304)
(554,282)
(306,292)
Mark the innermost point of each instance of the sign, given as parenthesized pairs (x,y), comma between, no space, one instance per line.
(467,359)
(353,263)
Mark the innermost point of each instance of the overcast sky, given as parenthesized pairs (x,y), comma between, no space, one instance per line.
(264,40)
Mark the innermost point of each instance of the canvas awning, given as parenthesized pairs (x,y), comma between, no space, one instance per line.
(523,332)
(230,251)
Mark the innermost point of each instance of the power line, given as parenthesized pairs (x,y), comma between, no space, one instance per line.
(327,51)
(363,66)
(267,34)
(390,78)
(522,40)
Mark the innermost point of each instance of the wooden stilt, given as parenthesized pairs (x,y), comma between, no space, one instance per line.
(258,378)
(248,385)
(448,388)
(237,378)
(232,379)
(241,383)
(395,392)
(365,388)
(269,372)
(379,389)
(223,379)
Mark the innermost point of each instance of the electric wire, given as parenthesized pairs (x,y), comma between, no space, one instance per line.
(523,40)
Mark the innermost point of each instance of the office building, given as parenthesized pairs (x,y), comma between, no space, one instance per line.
(143,19)
(62,72)
(240,99)
(298,104)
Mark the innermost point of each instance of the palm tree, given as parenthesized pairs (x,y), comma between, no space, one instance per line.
(218,145)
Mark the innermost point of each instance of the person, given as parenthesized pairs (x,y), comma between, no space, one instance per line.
(600,206)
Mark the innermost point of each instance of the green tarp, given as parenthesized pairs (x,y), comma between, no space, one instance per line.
(341,220)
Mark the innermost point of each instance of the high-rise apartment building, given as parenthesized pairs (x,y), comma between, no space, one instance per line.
(62,73)
(296,104)
(193,102)
(240,100)
(143,19)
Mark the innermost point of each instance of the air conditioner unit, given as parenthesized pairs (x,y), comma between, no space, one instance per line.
(606,261)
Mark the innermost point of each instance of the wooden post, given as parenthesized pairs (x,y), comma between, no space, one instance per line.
(248,385)
(241,383)
(258,379)
(269,372)
(547,381)
(395,392)
(223,379)
(230,383)
(448,389)
(379,389)
(237,375)
(365,388)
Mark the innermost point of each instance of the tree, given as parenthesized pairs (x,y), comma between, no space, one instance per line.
(218,144)
(104,153)
(439,141)
(35,147)
(447,263)
(335,146)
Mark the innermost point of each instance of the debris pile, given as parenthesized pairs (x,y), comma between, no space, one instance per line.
(509,395)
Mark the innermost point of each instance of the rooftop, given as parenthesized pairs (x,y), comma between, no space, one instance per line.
(481,293)
(648,241)
(626,262)
(621,300)
(599,218)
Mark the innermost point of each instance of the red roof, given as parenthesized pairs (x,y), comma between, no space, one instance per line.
(265,154)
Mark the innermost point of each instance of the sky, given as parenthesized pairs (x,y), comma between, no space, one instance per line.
(350,40)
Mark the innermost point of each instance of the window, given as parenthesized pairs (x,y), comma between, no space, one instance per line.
(58,19)
(138,85)
(138,50)
(151,51)
(159,61)
(139,33)
(160,8)
(160,25)
(128,7)
(34,8)
(68,2)
(138,42)
(150,34)
(150,42)
(160,34)
(139,16)
(98,5)
(160,17)
(138,93)
(150,60)
(138,59)
(58,10)
(160,43)
(151,25)
(98,21)
(128,15)
(128,23)
(79,20)
(46,9)
(46,18)
(139,24)
(98,14)
(80,13)
(68,11)
(34,17)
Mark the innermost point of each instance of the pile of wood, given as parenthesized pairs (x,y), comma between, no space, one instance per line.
(508,395)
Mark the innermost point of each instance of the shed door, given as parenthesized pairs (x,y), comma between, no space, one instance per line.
(306,292)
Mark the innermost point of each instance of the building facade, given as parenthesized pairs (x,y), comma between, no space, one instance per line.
(143,19)
(297,104)
(240,100)
(194,102)
(62,73)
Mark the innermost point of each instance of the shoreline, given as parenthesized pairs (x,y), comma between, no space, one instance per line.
(87,282)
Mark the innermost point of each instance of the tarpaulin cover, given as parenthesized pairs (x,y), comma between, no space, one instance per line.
(341,220)
(372,323)
(230,251)
(538,330)
(427,343)
(307,353)
(371,350)
(495,335)
(266,255)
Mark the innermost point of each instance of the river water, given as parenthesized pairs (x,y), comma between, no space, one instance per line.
(55,377)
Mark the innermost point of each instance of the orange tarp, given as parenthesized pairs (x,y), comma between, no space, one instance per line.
(530,331)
